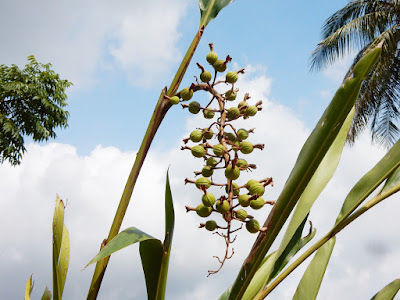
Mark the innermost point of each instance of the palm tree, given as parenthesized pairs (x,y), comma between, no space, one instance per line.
(361,25)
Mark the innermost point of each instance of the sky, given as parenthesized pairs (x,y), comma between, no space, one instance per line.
(119,56)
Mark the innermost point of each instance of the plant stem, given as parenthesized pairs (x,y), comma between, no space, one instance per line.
(162,106)
(335,230)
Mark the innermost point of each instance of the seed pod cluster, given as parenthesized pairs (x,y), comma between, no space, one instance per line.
(224,148)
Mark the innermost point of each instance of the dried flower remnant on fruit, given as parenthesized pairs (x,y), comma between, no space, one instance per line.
(221,147)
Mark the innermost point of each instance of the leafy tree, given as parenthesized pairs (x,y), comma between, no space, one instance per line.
(32,102)
(361,25)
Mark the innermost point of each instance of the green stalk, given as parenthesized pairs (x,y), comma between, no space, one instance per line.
(335,230)
(162,106)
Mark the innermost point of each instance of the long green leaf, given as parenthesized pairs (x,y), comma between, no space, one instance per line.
(370,181)
(28,289)
(63,262)
(209,9)
(389,291)
(46,294)
(318,182)
(58,228)
(392,181)
(123,239)
(311,281)
(310,157)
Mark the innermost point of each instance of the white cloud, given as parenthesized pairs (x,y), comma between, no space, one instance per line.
(364,260)
(78,37)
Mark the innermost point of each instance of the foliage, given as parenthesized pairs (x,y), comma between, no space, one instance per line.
(32,103)
(362,24)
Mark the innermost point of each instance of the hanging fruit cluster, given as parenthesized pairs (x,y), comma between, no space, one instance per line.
(227,153)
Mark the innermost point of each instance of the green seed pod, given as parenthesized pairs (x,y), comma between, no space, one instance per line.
(230,136)
(230,95)
(219,150)
(211,161)
(205,76)
(222,207)
(257,189)
(207,133)
(203,211)
(202,181)
(220,66)
(233,113)
(212,57)
(252,226)
(251,182)
(244,200)
(208,199)
(231,77)
(232,173)
(211,225)
(196,136)
(194,107)
(208,114)
(198,151)
(241,214)
(243,104)
(257,203)
(246,147)
(234,186)
(242,134)
(186,94)
(251,110)
(174,100)
(207,171)
(241,163)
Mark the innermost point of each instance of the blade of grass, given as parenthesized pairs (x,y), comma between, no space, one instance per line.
(46,294)
(58,228)
(389,291)
(28,289)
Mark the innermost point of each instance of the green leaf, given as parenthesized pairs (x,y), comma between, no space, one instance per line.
(63,262)
(28,289)
(392,181)
(58,229)
(370,181)
(46,294)
(209,9)
(310,157)
(389,291)
(318,182)
(123,239)
(311,281)
(225,295)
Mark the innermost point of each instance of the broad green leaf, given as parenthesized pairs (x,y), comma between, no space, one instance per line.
(318,182)
(311,281)
(370,181)
(310,157)
(63,263)
(58,228)
(28,289)
(225,295)
(393,180)
(151,253)
(46,294)
(209,9)
(389,291)
(123,239)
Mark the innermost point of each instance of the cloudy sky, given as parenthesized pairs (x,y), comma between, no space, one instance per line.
(119,56)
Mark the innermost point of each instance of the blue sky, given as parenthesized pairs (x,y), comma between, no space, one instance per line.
(119,56)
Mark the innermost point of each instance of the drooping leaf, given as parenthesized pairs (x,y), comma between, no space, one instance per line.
(123,239)
(28,289)
(312,278)
(46,294)
(389,291)
(310,157)
(209,9)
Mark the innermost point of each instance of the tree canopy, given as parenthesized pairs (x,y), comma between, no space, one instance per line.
(32,102)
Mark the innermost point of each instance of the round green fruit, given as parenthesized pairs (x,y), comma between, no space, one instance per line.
(241,214)
(205,76)
(198,151)
(257,203)
(242,104)
(186,94)
(233,113)
(207,171)
(220,65)
(246,147)
(235,188)
(242,134)
(257,189)
(251,110)
(203,211)
(230,136)
(219,150)
(252,226)
(231,77)
(207,133)
(251,182)
(244,200)
(232,173)
(222,206)
(212,162)
(211,225)
(208,199)
(174,100)
(196,136)
(212,57)
(230,95)
(194,107)
(241,163)
(208,114)
(203,182)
